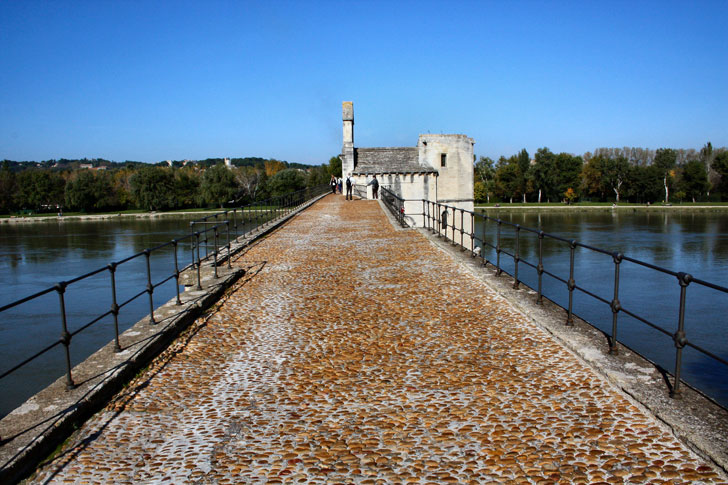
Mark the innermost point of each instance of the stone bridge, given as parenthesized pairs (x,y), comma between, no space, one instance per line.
(356,352)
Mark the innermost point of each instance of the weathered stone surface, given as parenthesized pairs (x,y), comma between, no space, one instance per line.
(423,375)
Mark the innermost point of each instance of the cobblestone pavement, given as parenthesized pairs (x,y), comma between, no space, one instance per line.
(354,353)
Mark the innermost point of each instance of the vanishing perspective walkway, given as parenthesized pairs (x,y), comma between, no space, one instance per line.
(356,353)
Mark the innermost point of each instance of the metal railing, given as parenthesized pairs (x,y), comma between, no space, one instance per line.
(359,190)
(450,222)
(209,236)
(394,203)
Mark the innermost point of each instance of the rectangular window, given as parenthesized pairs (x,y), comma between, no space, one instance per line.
(443,159)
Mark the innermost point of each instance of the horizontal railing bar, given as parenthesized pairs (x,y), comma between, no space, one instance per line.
(598,250)
(27,298)
(87,275)
(593,295)
(646,322)
(648,265)
(170,277)
(556,277)
(129,258)
(100,317)
(707,352)
(710,285)
(33,357)
(143,292)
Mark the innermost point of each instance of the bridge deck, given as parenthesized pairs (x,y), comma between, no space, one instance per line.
(356,353)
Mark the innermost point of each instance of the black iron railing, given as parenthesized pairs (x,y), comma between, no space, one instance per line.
(395,204)
(206,232)
(459,226)
(359,190)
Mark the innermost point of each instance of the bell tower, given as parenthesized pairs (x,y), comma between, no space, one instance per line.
(347,151)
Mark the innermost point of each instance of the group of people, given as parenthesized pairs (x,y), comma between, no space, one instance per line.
(336,186)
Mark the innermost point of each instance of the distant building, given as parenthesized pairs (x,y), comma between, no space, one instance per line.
(439,168)
(86,165)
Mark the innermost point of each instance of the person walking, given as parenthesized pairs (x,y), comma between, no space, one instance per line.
(375,187)
(338,185)
(349,188)
(332,182)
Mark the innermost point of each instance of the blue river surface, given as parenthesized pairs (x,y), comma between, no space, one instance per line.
(38,255)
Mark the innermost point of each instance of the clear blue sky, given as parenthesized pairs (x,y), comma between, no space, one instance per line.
(150,81)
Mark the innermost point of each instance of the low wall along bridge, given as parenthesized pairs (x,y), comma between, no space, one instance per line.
(355,351)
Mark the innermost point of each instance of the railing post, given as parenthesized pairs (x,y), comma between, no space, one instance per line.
(214,254)
(199,263)
(176,271)
(453,226)
(615,305)
(462,229)
(227,223)
(472,234)
(516,256)
(679,337)
(114,306)
(150,287)
(539,268)
(235,224)
(571,284)
(207,245)
(498,269)
(65,335)
(424,217)
(482,241)
(192,241)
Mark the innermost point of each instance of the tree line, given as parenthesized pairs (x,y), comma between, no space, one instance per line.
(636,175)
(99,185)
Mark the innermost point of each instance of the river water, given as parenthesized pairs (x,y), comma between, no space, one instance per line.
(36,256)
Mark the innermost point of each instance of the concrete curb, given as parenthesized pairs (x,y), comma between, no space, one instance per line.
(32,431)
(694,419)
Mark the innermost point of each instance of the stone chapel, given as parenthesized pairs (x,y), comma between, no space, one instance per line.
(439,168)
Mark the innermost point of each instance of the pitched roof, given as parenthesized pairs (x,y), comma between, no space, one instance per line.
(388,160)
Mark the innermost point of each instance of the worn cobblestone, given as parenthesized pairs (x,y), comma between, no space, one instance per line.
(355,353)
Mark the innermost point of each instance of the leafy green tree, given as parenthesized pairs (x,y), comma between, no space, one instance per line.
(80,191)
(720,165)
(186,187)
(286,181)
(694,180)
(524,164)
(335,167)
(543,174)
(318,175)
(218,185)
(591,177)
(615,173)
(507,178)
(7,188)
(645,183)
(665,161)
(568,172)
(152,188)
(484,174)
(39,189)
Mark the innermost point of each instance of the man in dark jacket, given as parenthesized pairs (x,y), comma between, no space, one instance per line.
(375,187)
